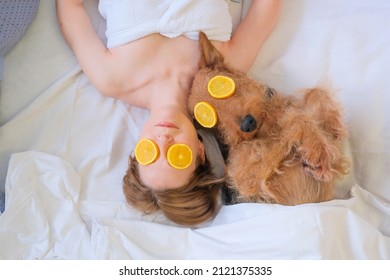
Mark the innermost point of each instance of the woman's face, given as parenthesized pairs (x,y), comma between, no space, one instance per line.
(166,127)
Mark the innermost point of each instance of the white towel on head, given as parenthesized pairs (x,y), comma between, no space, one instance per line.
(129,20)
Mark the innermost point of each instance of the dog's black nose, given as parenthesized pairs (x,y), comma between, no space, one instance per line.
(248,124)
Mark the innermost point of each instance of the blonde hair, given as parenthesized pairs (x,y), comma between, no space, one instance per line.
(191,204)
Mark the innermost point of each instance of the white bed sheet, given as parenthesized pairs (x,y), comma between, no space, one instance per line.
(64,150)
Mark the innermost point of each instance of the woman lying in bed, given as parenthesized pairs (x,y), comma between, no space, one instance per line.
(150,60)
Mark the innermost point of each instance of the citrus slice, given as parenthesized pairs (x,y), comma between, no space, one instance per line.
(221,87)
(205,114)
(179,156)
(146,151)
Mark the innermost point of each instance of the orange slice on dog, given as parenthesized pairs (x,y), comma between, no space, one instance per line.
(221,87)
(179,156)
(205,114)
(146,151)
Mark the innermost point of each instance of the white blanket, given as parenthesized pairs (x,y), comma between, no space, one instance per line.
(64,148)
(57,224)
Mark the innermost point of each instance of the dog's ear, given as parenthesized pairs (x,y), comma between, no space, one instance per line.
(210,56)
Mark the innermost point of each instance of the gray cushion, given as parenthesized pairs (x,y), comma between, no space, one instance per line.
(15,18)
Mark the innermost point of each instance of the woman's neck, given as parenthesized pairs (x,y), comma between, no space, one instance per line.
(169,93)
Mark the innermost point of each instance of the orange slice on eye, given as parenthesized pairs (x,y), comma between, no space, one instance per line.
(179,156)
(205,114)
(146,151)
(221,87)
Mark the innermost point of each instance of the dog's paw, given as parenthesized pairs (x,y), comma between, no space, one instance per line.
(316,171)
(317,160)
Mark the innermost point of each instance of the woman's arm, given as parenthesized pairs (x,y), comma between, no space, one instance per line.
(95,59)
(241,51)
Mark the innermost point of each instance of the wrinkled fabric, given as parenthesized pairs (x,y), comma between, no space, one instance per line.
(46,219)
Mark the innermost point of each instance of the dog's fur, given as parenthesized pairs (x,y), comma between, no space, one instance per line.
(282,149)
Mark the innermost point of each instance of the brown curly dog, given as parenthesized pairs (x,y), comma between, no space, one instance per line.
(282,149)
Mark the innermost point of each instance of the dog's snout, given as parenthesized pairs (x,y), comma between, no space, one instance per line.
(248,124)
